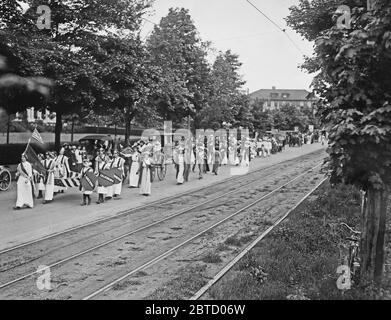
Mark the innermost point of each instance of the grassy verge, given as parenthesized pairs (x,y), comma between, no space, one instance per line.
(299,259)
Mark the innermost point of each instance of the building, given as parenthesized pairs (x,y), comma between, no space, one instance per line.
(36,115)
(275,98)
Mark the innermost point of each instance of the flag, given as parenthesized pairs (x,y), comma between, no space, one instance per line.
(34,160)
(127,152)
(36,136)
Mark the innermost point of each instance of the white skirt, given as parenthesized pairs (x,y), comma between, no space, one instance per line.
(146,185)
(49,188)
(24,193)
(181,169)
(133,176)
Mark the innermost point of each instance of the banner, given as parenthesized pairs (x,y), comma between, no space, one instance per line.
(34,160)
(88,181)
(106,178)
(67,182)
(73,181)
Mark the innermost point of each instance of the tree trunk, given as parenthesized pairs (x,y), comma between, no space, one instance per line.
(8,128)
(374,211)
(127,126)
(57,131)
(73,128)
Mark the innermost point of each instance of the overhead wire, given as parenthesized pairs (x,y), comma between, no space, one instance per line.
(276,25)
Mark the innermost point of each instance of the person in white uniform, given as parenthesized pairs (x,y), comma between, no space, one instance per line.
(145,180)
(134,169)
(118,162)
(101,164)
(86,193)
(24,186)
(49,165)
(180,164)
(40,178)
(63,169)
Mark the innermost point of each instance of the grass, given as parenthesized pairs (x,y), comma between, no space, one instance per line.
(188,281)
(212,257)
(299,259)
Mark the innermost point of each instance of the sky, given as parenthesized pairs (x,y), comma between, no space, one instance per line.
(269,58)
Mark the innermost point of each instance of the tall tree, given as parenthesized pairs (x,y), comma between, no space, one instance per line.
(64,51)
(354,84)
(179,53)
(227,102)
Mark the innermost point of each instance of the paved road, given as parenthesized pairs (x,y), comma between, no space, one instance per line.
(65,212)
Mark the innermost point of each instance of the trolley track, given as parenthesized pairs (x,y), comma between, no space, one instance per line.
(164,255)
(20,257)
(168,201)
(150,280)
(204,290)
(35,259)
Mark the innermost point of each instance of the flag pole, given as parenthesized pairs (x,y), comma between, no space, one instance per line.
(28,143)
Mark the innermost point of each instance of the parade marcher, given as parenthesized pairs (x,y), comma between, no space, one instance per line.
(232,150)
(110,189)
(238,159)
(224,152)
(49,165)
(86,194)
(134,169)
(79,158)
(100,164)
(73,160)
(63,169)
(217,161)
(178,158)
(246,153)
(188,159)
(145,174)
(118,162)
(40,178)
(199,157)
(24,185)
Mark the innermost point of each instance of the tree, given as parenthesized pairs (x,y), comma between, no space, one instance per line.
(16,92)
(66,54)
(354,84)
(263,119)
(180,55)
(226,102)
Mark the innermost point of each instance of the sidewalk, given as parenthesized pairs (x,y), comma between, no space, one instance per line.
(65,212)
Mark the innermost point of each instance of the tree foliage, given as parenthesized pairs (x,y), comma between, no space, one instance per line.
(353,82)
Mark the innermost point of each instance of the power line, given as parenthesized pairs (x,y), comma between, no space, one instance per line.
(149,21)
(279,28)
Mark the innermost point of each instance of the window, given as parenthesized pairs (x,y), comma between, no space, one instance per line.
(274,95)
(285,95)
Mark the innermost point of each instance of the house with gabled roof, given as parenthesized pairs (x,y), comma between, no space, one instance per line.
(275,98)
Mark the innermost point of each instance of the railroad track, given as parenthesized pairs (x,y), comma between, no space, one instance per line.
(201,292)
(170,217)
(168,252)
(154,203)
